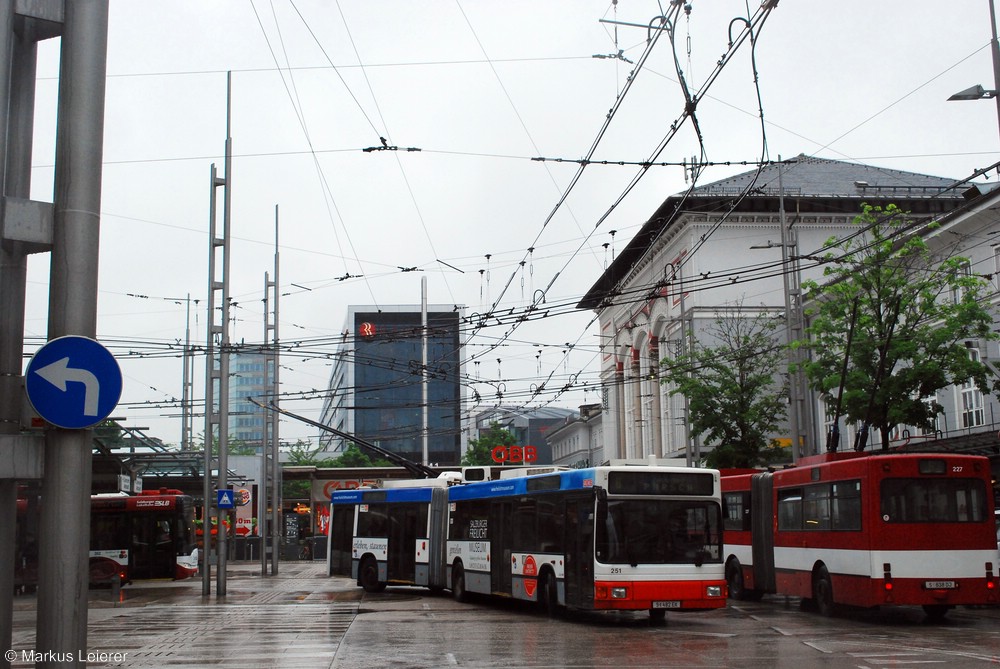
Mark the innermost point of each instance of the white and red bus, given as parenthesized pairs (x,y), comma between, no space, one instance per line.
(641,538)
(864,529)
(145,536)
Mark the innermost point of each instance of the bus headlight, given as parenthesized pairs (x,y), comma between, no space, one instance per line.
(619,593)
(713,591)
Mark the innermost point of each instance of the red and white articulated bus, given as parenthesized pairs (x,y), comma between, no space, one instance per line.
(864,529)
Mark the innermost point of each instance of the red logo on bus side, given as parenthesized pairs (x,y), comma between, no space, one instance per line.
(514,454)
(530,570)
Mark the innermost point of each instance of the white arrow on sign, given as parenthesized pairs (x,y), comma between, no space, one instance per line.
(59,373)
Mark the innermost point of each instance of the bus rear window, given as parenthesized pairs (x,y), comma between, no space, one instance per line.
(923,500)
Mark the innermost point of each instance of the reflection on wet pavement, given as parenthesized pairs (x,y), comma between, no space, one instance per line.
(295,619)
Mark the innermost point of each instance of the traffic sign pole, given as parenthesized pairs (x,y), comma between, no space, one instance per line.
(63,579)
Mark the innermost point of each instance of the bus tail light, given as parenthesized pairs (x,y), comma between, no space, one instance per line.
(887,580)
(991,582)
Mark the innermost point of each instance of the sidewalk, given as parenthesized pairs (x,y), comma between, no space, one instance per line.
(295,619)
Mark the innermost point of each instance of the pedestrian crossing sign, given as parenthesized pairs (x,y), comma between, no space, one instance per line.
(225,499)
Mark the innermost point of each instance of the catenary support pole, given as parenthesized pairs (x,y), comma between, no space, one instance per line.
(424,377)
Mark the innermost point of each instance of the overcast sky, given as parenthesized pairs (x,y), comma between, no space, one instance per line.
(482,89)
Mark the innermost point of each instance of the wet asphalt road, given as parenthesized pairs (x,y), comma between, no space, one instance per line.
(303,619)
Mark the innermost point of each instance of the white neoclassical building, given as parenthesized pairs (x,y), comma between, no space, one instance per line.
(745,240)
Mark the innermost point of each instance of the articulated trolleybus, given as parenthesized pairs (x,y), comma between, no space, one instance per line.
(604,538)
(865,529)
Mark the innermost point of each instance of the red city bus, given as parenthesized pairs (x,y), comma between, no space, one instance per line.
(145,536)
(154,531)
(864,529)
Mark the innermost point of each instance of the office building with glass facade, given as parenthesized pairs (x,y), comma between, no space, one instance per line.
(376,386)
(248,377)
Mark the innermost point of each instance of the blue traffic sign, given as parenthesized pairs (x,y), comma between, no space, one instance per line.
(73,382)
(225,499)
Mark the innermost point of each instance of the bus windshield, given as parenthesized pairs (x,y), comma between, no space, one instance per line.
(645,531)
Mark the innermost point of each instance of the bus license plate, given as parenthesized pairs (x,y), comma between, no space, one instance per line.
(940,585)
(672,604)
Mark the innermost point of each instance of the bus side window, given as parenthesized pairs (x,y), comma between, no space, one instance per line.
(550,527)
(371,523)
(816,507)
(736,507)
(790,509)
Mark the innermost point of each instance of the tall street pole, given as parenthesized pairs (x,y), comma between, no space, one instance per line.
(63,571)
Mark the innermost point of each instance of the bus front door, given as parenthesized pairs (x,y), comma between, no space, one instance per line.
(403,528)
(579,545)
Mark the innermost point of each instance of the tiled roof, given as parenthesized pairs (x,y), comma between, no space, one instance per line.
(820,177)
(814,184)
(807,176)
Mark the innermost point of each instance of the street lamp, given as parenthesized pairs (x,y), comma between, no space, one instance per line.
(977,92)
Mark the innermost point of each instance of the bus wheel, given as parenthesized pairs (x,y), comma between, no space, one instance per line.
(368,575)
(736,584)
(734,579)
(458,584)
(935,612)
(549,594)
(823,592)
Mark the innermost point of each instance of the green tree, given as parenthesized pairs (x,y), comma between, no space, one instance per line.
(353,456)
(480,451)
(302,453)
(913,315)
(240,447)
(734,402)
